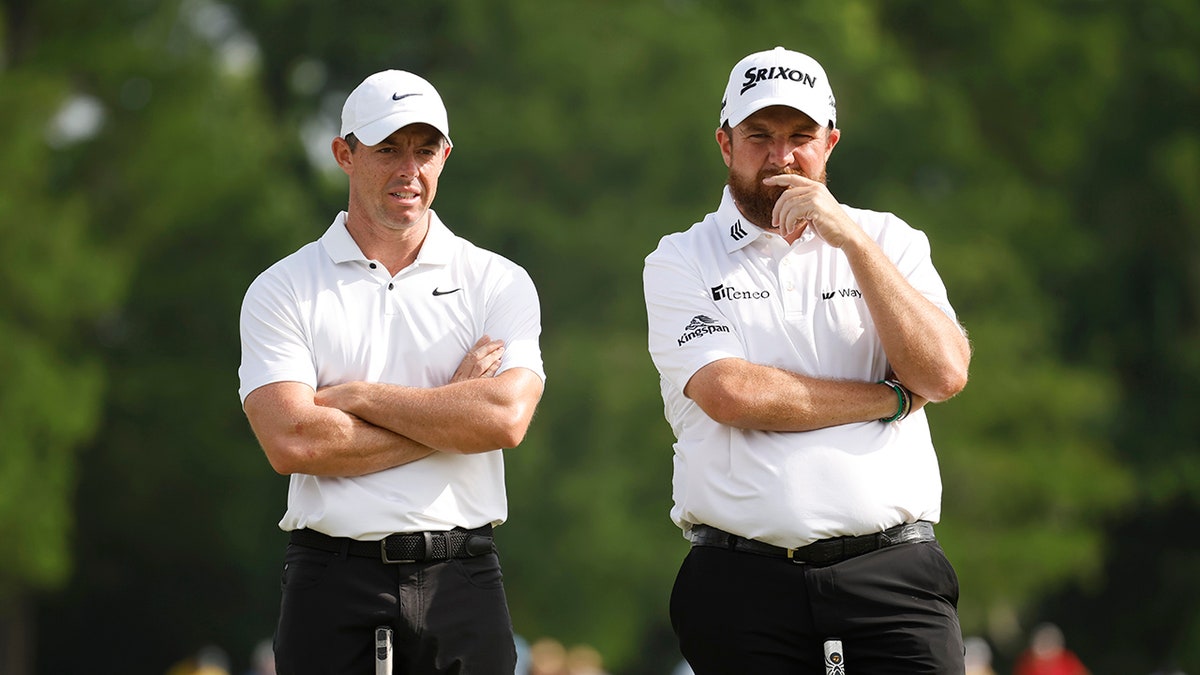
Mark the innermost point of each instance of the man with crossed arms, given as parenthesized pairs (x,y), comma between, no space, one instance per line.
(384,367)
(797,340)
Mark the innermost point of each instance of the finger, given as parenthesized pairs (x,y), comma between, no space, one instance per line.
(491,350)
(487,365)
(788,213)
(486,344)
(779,210)
(493,356)
(785,179)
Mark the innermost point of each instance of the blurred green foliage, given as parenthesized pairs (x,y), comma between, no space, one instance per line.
(1051,151)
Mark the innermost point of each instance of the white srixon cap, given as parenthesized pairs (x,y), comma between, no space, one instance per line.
(778,77)
(390,100)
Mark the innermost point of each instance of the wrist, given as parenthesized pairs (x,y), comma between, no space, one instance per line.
(903,401)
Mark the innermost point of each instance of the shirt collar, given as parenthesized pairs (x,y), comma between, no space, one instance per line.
(738,232)
(341,247)
(439,243)
(735,230)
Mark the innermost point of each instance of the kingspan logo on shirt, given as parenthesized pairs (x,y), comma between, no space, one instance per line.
(723,292)
(700,326)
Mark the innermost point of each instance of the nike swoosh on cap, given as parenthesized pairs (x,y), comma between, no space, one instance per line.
(397,97)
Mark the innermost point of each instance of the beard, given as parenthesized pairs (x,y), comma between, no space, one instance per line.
(755,200)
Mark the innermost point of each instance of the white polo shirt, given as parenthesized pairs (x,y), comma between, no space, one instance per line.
(326,315)
(726,288)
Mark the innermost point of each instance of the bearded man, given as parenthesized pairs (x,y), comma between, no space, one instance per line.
(797,341)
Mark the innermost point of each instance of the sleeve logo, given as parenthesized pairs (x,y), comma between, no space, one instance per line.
(700,326)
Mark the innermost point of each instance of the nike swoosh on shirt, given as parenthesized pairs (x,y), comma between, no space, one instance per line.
(397,97)
(441,292)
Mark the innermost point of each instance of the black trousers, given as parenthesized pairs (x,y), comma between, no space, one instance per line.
(894,609)
(447,616)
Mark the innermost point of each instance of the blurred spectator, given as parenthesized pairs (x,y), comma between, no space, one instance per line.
(584,660)
(523,665)
(978,657)
(212,660)
(209,660)
(1048,655)
(262,659)
(547,657)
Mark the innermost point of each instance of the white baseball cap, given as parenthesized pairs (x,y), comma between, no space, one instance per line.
(390,100)
(778,77)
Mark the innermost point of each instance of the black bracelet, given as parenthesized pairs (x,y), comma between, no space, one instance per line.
(903,401)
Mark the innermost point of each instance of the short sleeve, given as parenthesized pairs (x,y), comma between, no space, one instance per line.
(687,330)
(514,315)
(275,344)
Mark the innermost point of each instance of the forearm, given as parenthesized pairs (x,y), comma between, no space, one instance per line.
(925,348)
(301,437)
(475,415)
(750,396)
(348,446)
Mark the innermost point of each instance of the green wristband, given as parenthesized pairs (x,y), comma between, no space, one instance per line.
(901,408)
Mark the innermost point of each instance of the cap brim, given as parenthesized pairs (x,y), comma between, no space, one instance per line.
(374,132)
(761,103)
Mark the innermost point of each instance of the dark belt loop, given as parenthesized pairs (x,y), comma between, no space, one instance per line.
(428,555)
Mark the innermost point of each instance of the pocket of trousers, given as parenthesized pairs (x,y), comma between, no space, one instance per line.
(942,574)
(304,567)
(481,571)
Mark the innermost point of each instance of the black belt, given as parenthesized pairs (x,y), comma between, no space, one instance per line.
(823,552)
(407,547)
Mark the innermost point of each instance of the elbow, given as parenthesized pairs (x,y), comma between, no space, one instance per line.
(727,410)
(504,430)
(286,458)
(282,463)
(281,468)
(947,385)
(943,378)
(510,438)
(510,431)
(506,420)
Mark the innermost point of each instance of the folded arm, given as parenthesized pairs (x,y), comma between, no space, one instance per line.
(299,436)
(467,416)
(301,431)
(745,395)
(926,349)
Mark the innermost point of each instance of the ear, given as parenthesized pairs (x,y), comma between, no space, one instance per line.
(726,142)
(342,154)
(835,135)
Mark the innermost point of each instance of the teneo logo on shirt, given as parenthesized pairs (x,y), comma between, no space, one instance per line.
(723,292)
(700,326)
(755,75)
